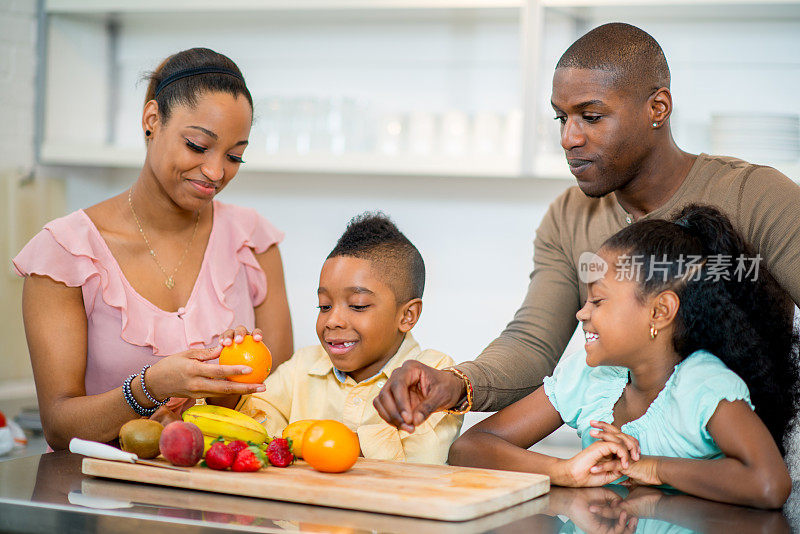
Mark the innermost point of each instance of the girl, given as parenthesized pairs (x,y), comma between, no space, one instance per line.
(126,299)
(682,344)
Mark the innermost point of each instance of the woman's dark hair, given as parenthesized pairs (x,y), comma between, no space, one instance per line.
(185,91)
(729,304)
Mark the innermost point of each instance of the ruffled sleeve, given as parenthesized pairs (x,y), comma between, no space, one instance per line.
(45,255)
(247,233)
(64,250)
(231,283)
(705,381)
(580,393)
(564,387)
(229,286)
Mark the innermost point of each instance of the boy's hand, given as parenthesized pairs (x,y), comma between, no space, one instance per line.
(165,416)
(414,392)
(236,335)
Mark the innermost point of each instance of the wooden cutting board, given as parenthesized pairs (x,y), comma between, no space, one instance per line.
(429,491)
(235,509)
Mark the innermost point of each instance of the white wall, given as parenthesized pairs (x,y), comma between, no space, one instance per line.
(476,236)
(17,78)
(17,90)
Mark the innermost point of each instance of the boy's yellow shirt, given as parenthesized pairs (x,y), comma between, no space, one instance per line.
(305,387)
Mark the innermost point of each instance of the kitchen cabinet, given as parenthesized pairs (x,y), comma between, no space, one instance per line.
(402,87)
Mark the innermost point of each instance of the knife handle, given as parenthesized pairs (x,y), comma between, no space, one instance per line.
(100,450)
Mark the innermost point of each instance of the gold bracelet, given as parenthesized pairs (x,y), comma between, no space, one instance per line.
(465,406)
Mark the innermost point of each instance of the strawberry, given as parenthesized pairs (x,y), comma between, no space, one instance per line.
(236,446)
(279,452)
(249,459)
(219,456)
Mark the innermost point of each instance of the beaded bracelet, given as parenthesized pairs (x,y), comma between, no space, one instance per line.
(131,400)
(466,405)
(147,393)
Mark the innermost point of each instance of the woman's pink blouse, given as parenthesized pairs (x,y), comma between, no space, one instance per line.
(126,331)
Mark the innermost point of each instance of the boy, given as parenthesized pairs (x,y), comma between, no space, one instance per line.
(370,291)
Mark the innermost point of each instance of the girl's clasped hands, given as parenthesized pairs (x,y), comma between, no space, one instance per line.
(613,456)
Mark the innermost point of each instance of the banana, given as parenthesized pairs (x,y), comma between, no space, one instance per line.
(215,421)
(207,440)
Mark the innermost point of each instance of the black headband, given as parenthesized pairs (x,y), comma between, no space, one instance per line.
(175,76)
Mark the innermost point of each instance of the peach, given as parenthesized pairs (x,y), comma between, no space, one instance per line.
(181,443)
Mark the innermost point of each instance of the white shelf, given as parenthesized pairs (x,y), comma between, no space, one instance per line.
(545,166)
(194,6)
(79,30)
(663,3)
(350,164)
(554,166)
(683,10)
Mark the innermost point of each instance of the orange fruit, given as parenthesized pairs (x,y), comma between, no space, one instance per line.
(329,446)
(251,353)
(296,431)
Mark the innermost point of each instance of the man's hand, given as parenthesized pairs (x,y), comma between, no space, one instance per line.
(414,392)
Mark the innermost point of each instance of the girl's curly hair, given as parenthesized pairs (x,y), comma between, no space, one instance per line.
(729,306)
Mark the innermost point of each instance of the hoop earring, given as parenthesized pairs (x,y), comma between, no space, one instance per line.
(653,331)
(147,133)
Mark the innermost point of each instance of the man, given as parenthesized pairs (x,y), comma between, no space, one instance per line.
(611,94)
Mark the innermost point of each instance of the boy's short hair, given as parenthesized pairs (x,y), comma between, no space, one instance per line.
(374,237)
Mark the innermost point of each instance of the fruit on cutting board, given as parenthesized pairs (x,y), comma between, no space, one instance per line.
(295,432)
(237,446)
(251,353)
(219,456)
(181,443)
(141,437)
(250,459)
(279,452)
(329,446)
(218,421)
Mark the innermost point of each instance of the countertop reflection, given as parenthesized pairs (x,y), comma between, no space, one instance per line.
(48,493)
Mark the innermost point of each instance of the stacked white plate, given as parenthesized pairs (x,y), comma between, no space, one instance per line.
(759,138)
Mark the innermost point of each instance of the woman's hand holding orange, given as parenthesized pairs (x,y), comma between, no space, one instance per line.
(246,349)
(188,374)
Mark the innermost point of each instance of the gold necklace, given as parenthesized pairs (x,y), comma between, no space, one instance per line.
(170,281)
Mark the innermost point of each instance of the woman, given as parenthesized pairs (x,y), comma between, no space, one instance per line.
(151,276)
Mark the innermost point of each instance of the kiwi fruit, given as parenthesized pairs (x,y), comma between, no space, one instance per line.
(140,436)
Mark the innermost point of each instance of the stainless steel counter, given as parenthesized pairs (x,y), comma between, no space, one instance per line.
(47,493)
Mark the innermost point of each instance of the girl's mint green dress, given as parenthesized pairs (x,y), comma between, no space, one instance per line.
(674,424)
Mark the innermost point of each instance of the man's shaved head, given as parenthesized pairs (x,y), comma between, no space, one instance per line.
(635,58)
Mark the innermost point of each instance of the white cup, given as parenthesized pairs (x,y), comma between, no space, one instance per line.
(455,132)
(421,133)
